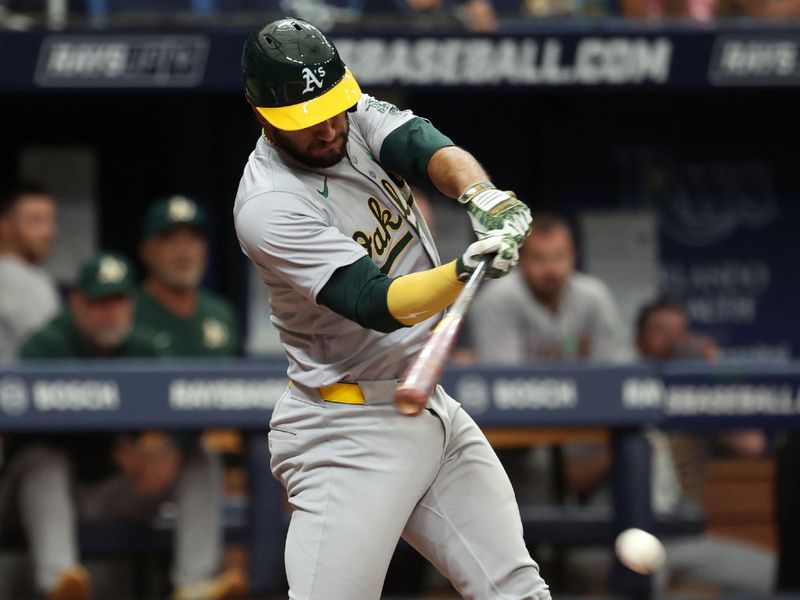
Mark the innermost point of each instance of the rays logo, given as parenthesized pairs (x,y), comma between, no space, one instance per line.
(312,80)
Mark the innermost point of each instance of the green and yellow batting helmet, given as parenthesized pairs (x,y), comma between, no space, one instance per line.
(294,77)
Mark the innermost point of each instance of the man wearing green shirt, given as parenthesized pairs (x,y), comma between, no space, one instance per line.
(98,323)
(50,482)
(188,321)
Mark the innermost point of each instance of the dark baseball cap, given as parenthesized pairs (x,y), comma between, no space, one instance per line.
(106,274)
(171,212)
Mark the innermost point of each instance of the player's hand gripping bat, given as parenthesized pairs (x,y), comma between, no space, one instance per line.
(412,395)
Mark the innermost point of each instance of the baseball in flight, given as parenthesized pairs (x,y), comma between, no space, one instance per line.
(640,551)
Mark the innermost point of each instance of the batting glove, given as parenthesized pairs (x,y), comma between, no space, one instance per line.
(504,247)
(491,210)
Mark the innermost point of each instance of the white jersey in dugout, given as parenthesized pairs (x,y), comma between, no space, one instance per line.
(299,224)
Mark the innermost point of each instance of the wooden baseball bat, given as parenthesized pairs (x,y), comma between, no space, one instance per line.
(412,395)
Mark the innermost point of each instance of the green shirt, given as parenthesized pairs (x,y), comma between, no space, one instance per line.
(60,338)
(91,452)
(210,331)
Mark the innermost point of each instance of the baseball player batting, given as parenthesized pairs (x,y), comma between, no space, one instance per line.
(325,212)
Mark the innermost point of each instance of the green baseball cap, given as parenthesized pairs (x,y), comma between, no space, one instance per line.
(106,274)
(171,212)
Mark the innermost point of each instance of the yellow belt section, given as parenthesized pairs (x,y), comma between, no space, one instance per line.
(343,393)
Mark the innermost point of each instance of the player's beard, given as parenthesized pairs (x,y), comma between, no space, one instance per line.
(307,156)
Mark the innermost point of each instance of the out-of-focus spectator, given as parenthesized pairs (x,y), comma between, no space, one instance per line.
(663,334)
(564,8)
(765,9)
(476,15)
(49,483)
(698,10)
(678,472)
(188,321)
(545,311)
(28,297)
(479,16)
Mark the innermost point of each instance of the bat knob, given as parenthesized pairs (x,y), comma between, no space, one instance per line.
(409,401)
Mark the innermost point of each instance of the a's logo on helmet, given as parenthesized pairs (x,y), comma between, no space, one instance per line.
(312,80)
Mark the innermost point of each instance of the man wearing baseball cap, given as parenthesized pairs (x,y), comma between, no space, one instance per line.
(188,321)
(51,482)
(98,322)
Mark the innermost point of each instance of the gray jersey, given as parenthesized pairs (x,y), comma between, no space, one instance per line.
(299,224)
(28,299)
(510,326)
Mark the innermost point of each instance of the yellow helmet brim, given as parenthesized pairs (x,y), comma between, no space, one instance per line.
(339,98)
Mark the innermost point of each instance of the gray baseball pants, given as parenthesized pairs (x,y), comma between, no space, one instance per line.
(38,493)
(359,477)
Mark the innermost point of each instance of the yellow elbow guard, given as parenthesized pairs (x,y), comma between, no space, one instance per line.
(418,296)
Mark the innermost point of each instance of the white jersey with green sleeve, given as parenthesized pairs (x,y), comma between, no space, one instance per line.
(299,224)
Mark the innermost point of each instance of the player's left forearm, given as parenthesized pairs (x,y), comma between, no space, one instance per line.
(452,170)
(456,173)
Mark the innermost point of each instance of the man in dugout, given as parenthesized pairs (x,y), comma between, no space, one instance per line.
(28,295)
(546,311)
(188,321)
(663,333)
(51,482)
(679,459)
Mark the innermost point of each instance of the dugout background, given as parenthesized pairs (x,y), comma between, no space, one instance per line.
(719,160)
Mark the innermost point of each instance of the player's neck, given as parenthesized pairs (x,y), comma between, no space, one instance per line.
(179,301)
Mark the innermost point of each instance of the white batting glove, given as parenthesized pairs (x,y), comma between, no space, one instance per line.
(491,210)
(504,247)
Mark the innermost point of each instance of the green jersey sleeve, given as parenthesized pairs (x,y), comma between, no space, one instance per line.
(409,148)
